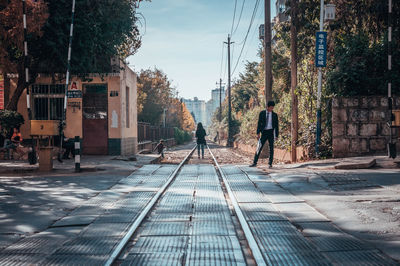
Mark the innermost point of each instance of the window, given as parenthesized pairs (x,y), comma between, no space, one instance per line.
(127,107)
(48,101)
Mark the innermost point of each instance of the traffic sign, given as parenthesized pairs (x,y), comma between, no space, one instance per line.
(320,50)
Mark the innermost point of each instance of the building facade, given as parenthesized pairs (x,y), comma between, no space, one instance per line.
(198,108)
(102,111)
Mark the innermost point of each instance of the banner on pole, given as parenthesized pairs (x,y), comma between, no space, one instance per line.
(320,51)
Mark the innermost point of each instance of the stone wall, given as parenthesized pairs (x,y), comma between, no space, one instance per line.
(359,125)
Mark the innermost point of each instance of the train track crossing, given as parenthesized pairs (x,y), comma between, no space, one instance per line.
(195,213)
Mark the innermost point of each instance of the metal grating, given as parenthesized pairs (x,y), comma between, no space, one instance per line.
(212,244)
(264,216)
(153,259)
(250,196)
(212,216)
(36,245)
(364,258)
(169,217)
(213,228)
(105,230)
(20,259)
(165,229)
(222,258)
(273,228)
(257,207)
(76,260)
(318,229)
(121,217)
(160,244)
(339,243)
(75,220)
(298,259)
(285,244)
(89,246)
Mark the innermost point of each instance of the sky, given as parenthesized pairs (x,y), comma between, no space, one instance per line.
(184,38)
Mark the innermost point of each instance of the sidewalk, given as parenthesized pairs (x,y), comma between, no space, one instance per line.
(89,163)
(365,162)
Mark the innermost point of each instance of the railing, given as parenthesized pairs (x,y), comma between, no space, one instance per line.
(148,132)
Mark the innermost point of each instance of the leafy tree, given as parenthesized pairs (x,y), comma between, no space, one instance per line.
(102,29)
(12,39)
(8,121)
(159,93)
(245,90)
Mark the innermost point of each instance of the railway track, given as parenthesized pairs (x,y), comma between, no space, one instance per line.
(195,213)
(122,254)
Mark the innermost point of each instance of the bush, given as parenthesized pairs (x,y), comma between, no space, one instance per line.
(8,121)
(181,136)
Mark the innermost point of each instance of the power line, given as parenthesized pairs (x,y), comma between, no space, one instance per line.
(247,34)
(234,16)
(222,60)
(240,17)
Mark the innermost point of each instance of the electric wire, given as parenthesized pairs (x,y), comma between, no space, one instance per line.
(234,17)
(240,17)
(222,60)
(247,35)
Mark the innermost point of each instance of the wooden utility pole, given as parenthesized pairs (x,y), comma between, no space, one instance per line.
(230,140)
(267,52)
(293,83)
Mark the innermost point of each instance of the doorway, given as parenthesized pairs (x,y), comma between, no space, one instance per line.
(95,119)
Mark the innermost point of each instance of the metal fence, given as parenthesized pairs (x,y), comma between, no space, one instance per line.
(148,132)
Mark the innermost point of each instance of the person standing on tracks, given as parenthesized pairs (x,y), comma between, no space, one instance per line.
(267,129)
(201,139)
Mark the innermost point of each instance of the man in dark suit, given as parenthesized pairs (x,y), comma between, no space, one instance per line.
(268,128)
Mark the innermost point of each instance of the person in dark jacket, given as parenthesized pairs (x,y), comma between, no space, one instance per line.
(160,148)
(201,139)
(267,129)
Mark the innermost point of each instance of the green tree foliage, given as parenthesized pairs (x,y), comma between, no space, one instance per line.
(245,89)
(155,93)
(102,29)
(159,92)
(8,121)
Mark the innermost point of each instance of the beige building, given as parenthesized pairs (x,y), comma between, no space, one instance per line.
(102,110)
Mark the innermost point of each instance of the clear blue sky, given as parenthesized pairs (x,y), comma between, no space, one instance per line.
(184,39)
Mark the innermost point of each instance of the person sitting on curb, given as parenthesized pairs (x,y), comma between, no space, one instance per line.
(160,148)
(14,145)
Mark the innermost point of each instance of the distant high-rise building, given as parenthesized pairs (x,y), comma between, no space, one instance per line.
(204,111)
(198,108)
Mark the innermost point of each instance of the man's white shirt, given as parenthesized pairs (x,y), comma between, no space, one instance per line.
(268,124)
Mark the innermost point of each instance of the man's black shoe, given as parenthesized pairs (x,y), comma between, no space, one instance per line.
(253,165)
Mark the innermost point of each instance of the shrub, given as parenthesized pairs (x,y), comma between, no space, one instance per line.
(8,121)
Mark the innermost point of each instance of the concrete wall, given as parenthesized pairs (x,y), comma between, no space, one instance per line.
(359,125)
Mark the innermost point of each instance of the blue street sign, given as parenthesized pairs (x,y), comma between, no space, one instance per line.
(320,50)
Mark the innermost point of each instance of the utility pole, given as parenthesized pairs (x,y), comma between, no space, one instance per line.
(230,141)
(267,52)
(293,67)
(318,137)
(391,146)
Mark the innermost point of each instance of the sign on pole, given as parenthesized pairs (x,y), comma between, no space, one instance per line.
(320,51)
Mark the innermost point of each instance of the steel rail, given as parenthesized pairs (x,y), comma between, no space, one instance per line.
(255,249)
(117,251)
